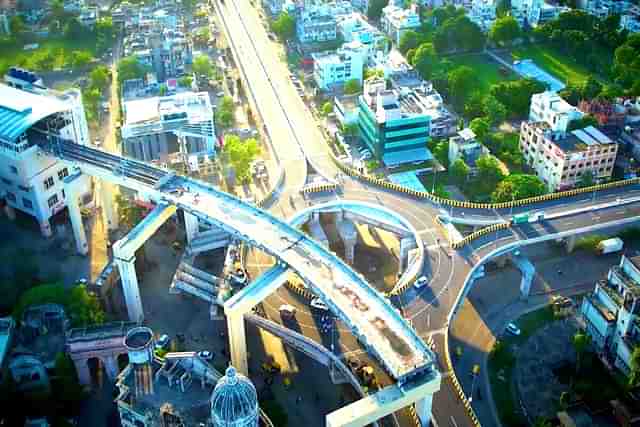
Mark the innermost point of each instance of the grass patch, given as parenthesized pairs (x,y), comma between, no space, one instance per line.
(561,66)
(502,362)
(487,70)
(50,55)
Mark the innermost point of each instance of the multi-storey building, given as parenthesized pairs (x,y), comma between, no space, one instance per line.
(550,108)
(612,313)
(331,69)
(356,28)
(158,126)
(30,180)
(562,159)
(317,24)
(531,13)
(465,147)
(393,124)
(483,13)
(396,21)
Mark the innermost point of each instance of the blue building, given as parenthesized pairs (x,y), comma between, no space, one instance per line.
(393,124)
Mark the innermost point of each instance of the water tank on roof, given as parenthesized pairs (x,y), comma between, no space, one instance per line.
(234,401)
(139,344)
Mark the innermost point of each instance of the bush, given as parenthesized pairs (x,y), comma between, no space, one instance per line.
(590,243)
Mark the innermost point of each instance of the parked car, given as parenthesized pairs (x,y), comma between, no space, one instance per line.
(163,342)
(513,329)
(421,282)
(319,304)
(367,156)
(220,94)
(206,355)
(287,310)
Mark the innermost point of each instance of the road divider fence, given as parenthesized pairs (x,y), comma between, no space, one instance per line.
(457,387)
(483,231)
(319,187)
(299,289)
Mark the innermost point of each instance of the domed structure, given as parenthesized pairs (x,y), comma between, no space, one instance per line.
(234,401)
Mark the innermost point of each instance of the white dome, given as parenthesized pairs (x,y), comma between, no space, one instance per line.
(234,401)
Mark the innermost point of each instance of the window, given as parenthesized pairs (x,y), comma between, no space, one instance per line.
(62,173)
(27,203)
(52,200)
(14,169)
(48,183)
(63,195)
(11,196)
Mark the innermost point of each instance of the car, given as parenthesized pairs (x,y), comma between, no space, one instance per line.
(206,355)
(220,94)
(97,142)
(287,310)
(317,303)
(421,282)
(366,156)
(513,329)
(163,342)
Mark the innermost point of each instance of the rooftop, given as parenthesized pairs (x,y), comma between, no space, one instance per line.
(107,330)
(19,110)
(582,140)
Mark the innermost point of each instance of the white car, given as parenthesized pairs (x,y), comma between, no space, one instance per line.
(220,94)
(319,304)
(366,156)
(206,355)
(163,342)
(513,329)
(287,310)
(421,282)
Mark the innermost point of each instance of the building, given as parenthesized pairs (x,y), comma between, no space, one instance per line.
(316,25)
(30,180)
(465,147)
(332,69)
(274,7)
(483,14)
(630,20)
(346,109)
(355,27)
(155,127)
(393,124)
(550,108)
(5,30)
(531,13)
(395,21)
(181,389)
(7,326)
(89,17)
(563,159)
(612,313)
(607,113)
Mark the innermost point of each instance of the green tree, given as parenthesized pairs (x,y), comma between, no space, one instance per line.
(129,213)
(351,87)
(130,68)
(516,95)
(494,111)
(440,150)
(374,11)
(326,109)
(424,60)
(240,154)
(542,422)
(585,121)
(202,35)
(16,26)
(586,180)
(409,40)
(85,307)
(580,343)
(489,173)
(100,77)
(80,58)
(480,127)
(634,376)
(591,88)
(504,31)
(202,66)
(284,26)
(518,186)
(351,129)
(67,389)
(611,91)
(474,106)
(225,116)
(185,81)
(572,94)
(461,81)
(459,172)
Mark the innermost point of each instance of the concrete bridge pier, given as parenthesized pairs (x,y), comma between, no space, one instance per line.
(570,243)
(528,271)
(237,341)
(349,235)
(73,205)
(108,206)
(423,409)
(130,289)
(316,230)
(406,244)
(191,226)
(111,367)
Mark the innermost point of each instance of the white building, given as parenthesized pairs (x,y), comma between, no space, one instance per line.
(630,20)
(5,30)
(561,159)
(465,147)
(612,313)
(396,21)
(355,27)
(531,13)
(483,14)
(155,127)
(315,26)
(30,180)
(335,68)
(550,108)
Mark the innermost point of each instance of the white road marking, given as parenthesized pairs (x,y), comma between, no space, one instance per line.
(453,421)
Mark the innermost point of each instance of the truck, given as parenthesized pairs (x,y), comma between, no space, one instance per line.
(526,217)
(610,245)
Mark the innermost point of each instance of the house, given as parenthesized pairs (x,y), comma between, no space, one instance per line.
(562,159)
(393,124)
(483,14)
(465,147)
(532,13)
(550,108)
(395,21)
(355,27)
(335,68)
(316,25)
(31,181)
(612,313)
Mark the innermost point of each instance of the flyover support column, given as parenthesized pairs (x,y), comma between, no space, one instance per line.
(73,205)
(316,230)
(111,367)
(406,244)
(82,368)
(349,235)
(130,287)
(238,342)
(423,409)
(528,270)
(108,206)
(191,226)
(571,243)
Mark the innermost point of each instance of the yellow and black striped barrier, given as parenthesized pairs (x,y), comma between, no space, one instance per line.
(300,290)
(320,187)
(483,231)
